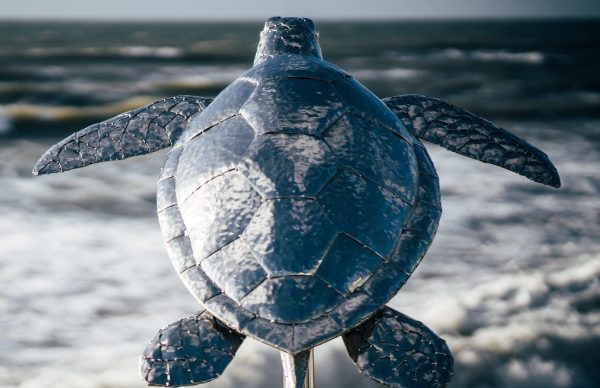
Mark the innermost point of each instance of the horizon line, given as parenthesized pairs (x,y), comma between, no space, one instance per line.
(325,18)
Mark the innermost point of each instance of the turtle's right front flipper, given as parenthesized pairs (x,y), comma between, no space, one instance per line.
(398,351)
(191,351)
(467,134)
(136,132)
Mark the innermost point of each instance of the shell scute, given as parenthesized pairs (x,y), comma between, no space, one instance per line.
(320,329)
(293,105)
(375,152)
(224,106)
(347,265)
(307,297)
(180,251)
(384,284)
(295,66)
(218,212)
(363,102)
(234,269)
(226,309)
(280,165)
(271,333)
(353,309)
(211,154)
(377,214)
(199,284)
(409,251)
(289,236)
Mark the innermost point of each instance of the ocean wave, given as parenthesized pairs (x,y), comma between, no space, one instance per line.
(125,51)
(227,49)
(478,55)
(24,111)
(532,57)
(513,100)
(145,51)
(196,50)
(398,73)
(207,77)
(56,82)
(529,329)
(125,188)
(5,122)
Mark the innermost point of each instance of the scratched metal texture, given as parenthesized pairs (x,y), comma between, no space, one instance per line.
(190,351)
(293,212)
(398,351)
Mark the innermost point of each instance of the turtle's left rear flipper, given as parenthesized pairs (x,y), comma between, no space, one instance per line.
(463,132)
(398,351)
(136,132)
(190,351)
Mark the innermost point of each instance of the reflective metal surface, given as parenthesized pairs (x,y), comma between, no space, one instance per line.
(463,132)
(229,102)
(398,351)
(293,105)
(294,66)
(218,212)
(372,151)
(363,102)
(137,132)
(295,369)
(365,210)
(190,351)
(289,236)
(285,35)
(211,154)
(234,269)
(295,206)
(348,264)
(304,208)
(282,166)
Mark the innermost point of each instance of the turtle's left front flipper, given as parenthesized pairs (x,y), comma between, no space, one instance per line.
(463,132)
(136,132)
(398,351)
(191,351)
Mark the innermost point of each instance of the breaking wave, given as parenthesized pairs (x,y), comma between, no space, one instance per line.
(386,74)
(528,57)
(532,57)
(125,51)
(144,51)
(532,329)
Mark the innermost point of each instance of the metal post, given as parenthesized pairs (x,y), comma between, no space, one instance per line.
(310,375)
(298,369)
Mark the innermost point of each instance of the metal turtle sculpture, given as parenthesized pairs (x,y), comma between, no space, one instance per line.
(294,206)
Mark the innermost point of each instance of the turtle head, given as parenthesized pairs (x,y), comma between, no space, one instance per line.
(285,35)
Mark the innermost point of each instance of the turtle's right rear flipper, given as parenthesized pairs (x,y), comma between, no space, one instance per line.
(190,351)
(137,132)
(398,351)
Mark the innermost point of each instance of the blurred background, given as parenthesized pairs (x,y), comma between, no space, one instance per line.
(512,281)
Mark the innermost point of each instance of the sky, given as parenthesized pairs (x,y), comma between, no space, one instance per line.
(318,9)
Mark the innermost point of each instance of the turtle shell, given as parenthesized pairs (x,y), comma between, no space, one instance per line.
(296,204)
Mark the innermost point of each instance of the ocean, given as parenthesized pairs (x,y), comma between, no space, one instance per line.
(512,280)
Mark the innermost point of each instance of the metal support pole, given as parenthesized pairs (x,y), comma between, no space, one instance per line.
(310,376)
(298,369)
